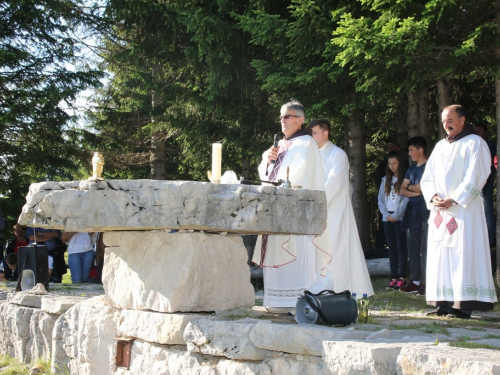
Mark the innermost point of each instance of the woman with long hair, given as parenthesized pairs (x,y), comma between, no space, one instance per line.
(392,206)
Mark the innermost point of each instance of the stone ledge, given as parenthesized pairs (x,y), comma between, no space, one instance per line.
(448,360)
(304,339)
(85,206)
(25,299)
(160,328)
(54,304)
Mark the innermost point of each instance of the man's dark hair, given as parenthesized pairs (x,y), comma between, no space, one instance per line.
(418,142)
(458,109)
(11,259)
(322,123)
(480,125)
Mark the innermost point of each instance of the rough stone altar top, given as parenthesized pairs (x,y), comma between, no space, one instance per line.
(87,206)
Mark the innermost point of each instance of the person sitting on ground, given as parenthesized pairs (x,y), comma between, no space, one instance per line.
(18,241)
(8,268)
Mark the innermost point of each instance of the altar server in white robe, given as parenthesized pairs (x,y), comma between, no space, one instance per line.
(348,265)
(458,259)
(292,263)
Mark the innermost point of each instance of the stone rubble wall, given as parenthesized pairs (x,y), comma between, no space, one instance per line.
(82,339)
(90,206)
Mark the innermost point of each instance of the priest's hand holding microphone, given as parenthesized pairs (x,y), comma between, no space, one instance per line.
(272,154)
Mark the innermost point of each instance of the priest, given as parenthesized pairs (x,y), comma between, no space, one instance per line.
(458,259)
(348,265)
(292,263)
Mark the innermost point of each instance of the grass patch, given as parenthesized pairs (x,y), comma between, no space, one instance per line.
(491,336)
(394,300)
(11,366)
(472,345)
(66,279)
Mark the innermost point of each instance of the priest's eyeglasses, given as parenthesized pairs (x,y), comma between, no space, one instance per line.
(286,117)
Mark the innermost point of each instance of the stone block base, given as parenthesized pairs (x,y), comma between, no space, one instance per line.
(173,272)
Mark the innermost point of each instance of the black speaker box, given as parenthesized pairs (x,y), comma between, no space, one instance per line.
(34,257)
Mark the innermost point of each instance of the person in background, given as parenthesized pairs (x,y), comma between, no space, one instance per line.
(459,267)
(392,206)
(414,221)
(348,266)
(18,240)
(80,254)
(8,268)
(380,239)
(2,226)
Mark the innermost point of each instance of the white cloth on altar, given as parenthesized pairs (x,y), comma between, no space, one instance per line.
(458,264)
(293,262)
(348,265)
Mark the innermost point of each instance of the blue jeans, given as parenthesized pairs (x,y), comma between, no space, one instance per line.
(80,265)
(398,253)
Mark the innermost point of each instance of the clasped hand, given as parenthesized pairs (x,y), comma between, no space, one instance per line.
(442,204)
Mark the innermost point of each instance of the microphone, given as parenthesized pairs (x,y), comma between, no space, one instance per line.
(276,141)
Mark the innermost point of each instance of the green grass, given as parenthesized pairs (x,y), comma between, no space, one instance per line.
(472,345)
(66,279)
(11,366)
(394,300)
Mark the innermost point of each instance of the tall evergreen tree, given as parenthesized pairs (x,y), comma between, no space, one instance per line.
(39,77)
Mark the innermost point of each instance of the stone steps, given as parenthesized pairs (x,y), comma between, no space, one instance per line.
(80,333)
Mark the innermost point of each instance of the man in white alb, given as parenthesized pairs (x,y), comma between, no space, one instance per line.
(458,258)
(292,262)
(348,265)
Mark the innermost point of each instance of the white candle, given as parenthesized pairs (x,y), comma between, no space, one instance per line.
(216,161)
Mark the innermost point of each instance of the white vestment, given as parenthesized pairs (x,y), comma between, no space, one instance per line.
(348,265)
(458,255)
(292,262)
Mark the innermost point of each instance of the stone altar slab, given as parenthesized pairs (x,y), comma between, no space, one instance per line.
(176,272)
(88,206)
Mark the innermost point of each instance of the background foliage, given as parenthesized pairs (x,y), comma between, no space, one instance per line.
(180,75)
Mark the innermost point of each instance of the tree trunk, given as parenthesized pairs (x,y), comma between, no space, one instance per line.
(158,153)
(423,114)
(412,120)
(357,159)
(443,100)
(245,166)
(158,157)
(497,105)
(402,128)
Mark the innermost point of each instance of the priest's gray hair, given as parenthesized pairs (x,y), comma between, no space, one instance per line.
(294,104)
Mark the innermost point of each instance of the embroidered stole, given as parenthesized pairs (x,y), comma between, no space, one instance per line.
(283,149)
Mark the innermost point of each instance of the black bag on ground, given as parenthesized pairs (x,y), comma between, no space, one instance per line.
(327,308)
